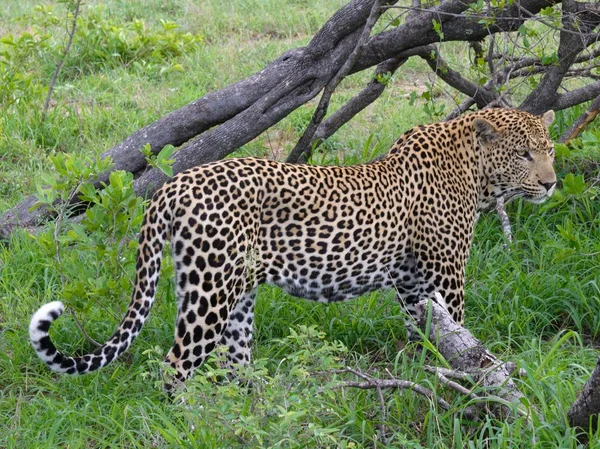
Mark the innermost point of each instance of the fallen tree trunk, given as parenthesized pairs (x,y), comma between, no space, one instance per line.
(496,394)
(470,360)
(467,355)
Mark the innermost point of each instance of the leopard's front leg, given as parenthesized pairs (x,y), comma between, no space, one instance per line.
(440,267)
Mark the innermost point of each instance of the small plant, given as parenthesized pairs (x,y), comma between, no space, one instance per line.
(162,160)
(434,109)
(286,405)
(17,53)
(384,78)
(103,240)
(99,43)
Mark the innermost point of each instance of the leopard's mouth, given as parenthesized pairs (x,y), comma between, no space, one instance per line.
(539,197)
(509,196)
(535,198)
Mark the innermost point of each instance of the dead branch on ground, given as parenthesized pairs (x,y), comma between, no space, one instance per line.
(491,388)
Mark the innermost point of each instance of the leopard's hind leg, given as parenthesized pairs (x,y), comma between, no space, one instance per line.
(237,337)
(200,328)
(211,303)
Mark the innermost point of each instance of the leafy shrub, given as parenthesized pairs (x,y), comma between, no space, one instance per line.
(17,55)
(283,406)
(28,59)
(95,256)
(100,43)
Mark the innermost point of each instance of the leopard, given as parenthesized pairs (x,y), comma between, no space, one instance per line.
(322,233)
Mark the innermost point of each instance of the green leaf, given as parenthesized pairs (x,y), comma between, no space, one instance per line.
(574,184)
(437,27)
(88,192)
(146,150)
(562,150)
(549,59)
(522,30)
(166,152)
(166,169)
(116,179)
(590,137)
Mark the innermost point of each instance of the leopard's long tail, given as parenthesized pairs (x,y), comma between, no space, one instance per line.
(154,232)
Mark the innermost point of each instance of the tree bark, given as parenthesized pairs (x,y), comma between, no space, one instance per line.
(582,121)
(584,411)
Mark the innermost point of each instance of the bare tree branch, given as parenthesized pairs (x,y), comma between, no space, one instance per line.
(360,101)
(582,121)
(372,383)
(301,151)
(576,96)
(482,96)
(572,42)
(460,109)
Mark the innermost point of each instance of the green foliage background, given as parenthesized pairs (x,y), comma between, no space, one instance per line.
(133,61)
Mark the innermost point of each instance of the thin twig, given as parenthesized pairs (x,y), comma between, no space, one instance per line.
(82,330)
(382,427)
(450,373)
(372,383)
(470,412)
(365,97)
(61,63)
(456,386)
(396,383)
(461,108)
(360,374)
(442,69)
(490,60)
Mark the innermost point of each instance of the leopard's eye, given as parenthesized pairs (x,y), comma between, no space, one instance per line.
(524,154)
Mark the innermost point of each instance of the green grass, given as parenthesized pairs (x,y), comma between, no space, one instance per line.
(537,304)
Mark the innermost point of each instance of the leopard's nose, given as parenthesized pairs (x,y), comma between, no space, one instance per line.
(548,185)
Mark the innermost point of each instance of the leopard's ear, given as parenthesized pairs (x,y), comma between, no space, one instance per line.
(484,130)
(548,118)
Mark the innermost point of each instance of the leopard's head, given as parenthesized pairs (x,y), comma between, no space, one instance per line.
(516,154)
